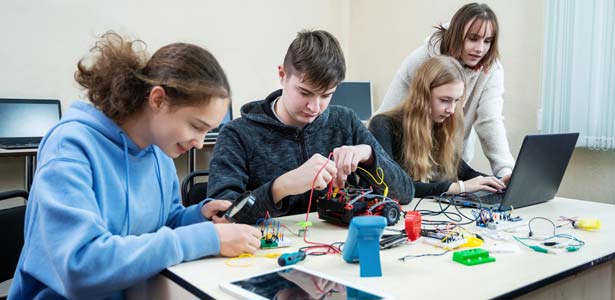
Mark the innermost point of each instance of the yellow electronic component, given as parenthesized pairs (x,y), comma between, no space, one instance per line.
(587,224)
(271,255)
(335,190)
(472,242)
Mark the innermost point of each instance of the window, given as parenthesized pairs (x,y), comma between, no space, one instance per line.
(578,92)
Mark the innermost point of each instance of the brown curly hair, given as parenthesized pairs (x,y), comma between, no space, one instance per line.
(120,76)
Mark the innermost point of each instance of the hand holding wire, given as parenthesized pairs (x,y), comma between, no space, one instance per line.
(315,173)
(347,159)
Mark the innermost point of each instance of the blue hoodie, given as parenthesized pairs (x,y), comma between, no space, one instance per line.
(103,214)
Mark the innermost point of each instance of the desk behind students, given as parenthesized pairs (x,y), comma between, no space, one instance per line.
(543,276)
(29,155)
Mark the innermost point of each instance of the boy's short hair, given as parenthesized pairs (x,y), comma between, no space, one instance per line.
(317,58)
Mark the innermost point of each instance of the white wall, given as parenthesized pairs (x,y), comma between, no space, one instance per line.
(378,52)
(43,40)
(384,32)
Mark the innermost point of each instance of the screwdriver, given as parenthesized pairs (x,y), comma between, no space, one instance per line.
(291,258)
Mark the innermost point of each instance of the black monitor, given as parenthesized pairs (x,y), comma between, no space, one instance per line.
(24,122)
(356,95)
(212,135)
(227,118)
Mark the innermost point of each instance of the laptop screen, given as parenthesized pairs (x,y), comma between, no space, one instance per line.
(356,95)
(27,119)
(537,175)
(213,134)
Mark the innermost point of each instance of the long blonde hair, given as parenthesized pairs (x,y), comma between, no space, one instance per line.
(431,150)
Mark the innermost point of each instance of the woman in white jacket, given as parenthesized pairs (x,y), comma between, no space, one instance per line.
(472,38)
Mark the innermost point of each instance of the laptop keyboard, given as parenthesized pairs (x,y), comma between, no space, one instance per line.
(495,198)
(486,199)
(19,146)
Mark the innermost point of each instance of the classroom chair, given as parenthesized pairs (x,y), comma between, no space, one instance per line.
(193,192)
(12,232)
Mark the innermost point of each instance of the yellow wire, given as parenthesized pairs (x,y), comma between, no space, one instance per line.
(231,261)
(379,181)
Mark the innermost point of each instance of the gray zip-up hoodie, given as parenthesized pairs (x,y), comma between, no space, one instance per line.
(252,151)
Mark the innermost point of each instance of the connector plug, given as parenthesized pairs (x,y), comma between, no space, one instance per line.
(542,250)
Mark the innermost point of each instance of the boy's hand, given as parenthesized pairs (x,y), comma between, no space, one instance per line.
(300,180)
(347,158)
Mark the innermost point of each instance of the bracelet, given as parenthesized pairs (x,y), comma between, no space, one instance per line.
(462,188)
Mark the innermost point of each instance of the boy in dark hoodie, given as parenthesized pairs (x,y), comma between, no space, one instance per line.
(279,145)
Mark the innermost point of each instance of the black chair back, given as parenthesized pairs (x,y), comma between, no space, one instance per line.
(193,192)
(12,233)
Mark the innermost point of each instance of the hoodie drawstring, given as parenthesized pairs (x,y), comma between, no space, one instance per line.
(159,177)
(127,183)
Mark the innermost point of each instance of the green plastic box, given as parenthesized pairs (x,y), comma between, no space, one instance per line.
(473,257)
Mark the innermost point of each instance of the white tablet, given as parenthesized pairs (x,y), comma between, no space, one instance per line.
(297,283)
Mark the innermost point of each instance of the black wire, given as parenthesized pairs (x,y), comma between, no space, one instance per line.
(329,247)
(456,217)
(427,212)
(473,196)
(422,255)
(338,247)
(569,220)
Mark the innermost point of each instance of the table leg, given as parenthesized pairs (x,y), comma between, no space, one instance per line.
(30,168)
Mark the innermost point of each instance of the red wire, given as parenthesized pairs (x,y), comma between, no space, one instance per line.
(316,285)
(330,249)
(314,183)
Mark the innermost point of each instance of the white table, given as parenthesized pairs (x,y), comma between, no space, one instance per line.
(586,274)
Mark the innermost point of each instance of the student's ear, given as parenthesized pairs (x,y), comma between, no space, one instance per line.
(157,98)
(281,73)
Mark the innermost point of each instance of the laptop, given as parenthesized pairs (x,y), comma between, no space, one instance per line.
(537,175)
(356,95)
(24,122)
(212,135)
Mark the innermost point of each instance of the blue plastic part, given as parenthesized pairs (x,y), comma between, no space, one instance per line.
(291,258)
(363,244)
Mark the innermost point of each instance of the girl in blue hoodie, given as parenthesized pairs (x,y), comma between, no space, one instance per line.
(104,211)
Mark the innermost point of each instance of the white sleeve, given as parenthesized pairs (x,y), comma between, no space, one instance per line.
(489,124)
(400,85)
